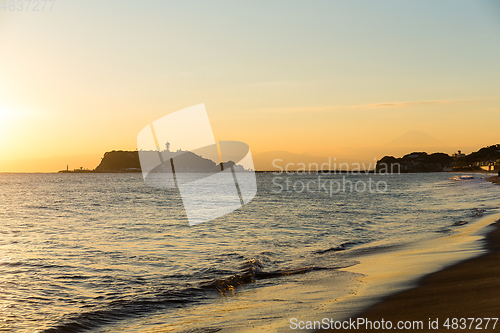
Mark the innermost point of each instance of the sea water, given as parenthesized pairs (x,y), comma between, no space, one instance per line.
(106,253)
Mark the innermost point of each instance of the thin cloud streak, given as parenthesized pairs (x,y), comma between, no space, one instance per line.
(361,106)
(402,104)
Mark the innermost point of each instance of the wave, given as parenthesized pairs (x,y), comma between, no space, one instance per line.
(341,247)
(11,264)
(459,223)
(116,310)
(253,270)
(122,309)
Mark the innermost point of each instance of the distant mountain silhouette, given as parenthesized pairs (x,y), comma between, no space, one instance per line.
(417,139)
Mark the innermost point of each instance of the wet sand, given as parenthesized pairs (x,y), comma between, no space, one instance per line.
(469,289)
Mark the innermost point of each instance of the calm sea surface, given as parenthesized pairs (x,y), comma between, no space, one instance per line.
(106,253)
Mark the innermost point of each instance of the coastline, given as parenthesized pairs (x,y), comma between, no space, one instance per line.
(494,180)
(467,289)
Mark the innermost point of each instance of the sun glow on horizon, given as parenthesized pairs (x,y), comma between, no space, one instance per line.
(6,122)
(15,133)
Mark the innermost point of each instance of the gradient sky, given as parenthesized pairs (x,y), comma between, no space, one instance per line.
(323,77)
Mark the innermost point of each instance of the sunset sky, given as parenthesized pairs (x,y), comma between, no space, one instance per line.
(330,78)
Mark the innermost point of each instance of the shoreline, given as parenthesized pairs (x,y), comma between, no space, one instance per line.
(494,180)
(467,289)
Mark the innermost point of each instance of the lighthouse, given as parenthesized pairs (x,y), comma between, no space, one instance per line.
(167,146)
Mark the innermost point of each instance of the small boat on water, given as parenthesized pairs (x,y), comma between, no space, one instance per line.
(463,177)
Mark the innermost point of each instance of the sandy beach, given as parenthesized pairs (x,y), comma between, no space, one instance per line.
(469,289)
(494,180)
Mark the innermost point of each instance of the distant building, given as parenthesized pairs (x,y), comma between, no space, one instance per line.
(458,154)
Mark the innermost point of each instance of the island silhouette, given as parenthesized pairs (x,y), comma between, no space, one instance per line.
(122,161)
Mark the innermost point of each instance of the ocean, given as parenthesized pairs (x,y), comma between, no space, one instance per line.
(107,253)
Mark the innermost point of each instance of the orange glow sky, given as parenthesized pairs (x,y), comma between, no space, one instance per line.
(331,78)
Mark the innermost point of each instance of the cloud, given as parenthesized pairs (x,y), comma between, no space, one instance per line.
(360,106)
(401,104)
